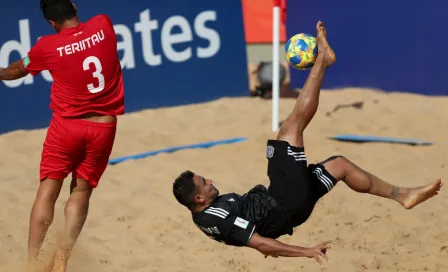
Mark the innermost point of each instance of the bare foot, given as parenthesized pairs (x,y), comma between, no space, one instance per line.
(60,261)
(418,195)
(324,50)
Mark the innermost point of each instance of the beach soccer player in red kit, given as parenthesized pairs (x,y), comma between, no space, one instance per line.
(86,96)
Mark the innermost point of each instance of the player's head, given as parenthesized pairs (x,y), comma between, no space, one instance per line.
(192,190)
(56,12)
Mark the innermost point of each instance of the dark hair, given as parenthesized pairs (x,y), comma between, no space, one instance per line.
(184,188)
(57,10)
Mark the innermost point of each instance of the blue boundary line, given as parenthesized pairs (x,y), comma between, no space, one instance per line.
(368,138)
(177,148)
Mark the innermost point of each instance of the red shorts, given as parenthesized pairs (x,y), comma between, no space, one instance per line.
(78,146)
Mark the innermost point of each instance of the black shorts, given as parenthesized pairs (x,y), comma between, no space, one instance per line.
(294,184)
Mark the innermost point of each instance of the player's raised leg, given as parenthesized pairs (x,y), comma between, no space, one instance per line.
(42,215)
(76,211)
(364,182)
(308,100)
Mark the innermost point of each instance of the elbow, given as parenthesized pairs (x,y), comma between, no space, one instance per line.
(13,72)
(19,73)
(8,74)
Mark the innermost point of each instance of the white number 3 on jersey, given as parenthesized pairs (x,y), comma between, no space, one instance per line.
(96,74)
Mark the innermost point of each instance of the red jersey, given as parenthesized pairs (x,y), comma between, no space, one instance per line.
(84,64)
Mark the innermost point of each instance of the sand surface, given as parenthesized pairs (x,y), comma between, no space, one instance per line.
(135,224)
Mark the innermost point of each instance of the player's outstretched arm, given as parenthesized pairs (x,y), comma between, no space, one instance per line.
(272,247)
(14,71)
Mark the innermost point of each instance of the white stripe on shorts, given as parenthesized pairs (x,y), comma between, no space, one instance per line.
(324,179)
(298,156)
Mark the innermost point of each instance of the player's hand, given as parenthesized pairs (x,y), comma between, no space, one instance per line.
(318,252)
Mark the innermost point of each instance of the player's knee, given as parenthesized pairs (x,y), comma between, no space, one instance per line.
(342,162)
(47,200)
(295,122)
(338,166)
(291,131)
(49,191)
(43,213)
(47,197)
(338,159)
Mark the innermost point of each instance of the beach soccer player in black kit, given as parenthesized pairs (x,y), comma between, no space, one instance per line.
(258,217)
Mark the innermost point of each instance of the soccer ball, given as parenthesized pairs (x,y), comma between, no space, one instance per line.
(301,51)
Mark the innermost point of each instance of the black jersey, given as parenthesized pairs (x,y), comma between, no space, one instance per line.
(232,219)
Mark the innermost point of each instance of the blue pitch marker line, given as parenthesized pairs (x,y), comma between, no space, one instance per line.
(177,148)
(365,138)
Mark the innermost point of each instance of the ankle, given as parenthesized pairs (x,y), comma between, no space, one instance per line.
(401,195)
(398,193)
(61,256)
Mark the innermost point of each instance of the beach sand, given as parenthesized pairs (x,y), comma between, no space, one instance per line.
(135,223)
